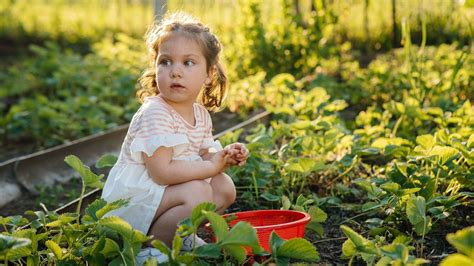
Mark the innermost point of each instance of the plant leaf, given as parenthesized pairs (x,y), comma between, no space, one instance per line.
(275,242)
(88,177)
(456,260)
(243,234)
(158,244)
(463,241)
(236,251)
(177,243)
(426,142)
(14,246)
(285,202)
(298,248)
(416,213)
(269,196)
(197,216)
(316,227)
(219,225)
(362,244)
(210,250)
(111,248)
(106,160)
(119,225)
(317,215)
(55,248)
(348,248)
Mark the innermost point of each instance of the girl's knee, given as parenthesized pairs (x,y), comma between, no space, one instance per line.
(230,193)
(226,189)
(199,191)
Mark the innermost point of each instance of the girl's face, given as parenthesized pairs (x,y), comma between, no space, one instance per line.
(180,70)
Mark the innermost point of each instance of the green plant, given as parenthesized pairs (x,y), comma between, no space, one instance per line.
(395,253)
(318,216)
(463,241)
(70,238)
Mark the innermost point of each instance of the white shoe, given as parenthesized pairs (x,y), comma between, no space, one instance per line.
(146,253)
(192,241)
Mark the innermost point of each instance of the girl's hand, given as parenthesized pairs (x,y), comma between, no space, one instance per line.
(219,160)
(238,154)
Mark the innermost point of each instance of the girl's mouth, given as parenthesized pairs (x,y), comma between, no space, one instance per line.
(176,86)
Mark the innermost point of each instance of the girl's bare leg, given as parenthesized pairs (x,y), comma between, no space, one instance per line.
(223,190)
(177,204)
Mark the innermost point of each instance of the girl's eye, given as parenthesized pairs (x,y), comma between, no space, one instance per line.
(164,62)
(189,63)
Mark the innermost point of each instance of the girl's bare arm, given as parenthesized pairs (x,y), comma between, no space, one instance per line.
(165,171)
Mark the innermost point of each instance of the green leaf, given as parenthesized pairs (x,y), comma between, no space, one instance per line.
(150,262)
(303,165)
(111,248)
(236,251)
(470,142)
(368,151)
(88,177)
(463,241)
(161,246)
(362,244)
(426,141)
(317,214)
(275,242)
(210,250)
(396,251)
(298,248)
(416,213)
(186,259)
(197,215)
(106,160)
(348,248)
(119,225)
(285,202)
(242,234)
(390,187)
(177,244)
(316,227)
(357,239)
(100,207)
(444,153)
(219,225)
(9,244)
(55,248)
(457,260)
(270,197)
(63,219)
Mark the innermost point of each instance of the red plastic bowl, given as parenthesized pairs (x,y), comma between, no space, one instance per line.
(286,223)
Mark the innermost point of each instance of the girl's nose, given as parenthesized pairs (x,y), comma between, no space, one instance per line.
(176,72)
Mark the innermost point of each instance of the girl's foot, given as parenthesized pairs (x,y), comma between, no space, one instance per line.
(192,241)
(146,253)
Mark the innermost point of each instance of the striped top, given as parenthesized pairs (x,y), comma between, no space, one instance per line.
(157,124)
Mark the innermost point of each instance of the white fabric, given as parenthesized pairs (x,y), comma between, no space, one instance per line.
(131,181)
(147,253)
(154,125)
(179,142)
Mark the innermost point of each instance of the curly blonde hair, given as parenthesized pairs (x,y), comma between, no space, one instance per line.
(213,93)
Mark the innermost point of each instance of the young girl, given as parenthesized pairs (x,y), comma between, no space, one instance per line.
(169,162)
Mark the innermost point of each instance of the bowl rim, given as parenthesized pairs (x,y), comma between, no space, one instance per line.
(301,221)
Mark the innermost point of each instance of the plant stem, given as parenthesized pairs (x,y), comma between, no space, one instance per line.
(397,124)
(351,260)
(83,191)
(255,185)
(266,261)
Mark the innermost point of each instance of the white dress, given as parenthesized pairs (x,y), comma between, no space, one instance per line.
(154,125)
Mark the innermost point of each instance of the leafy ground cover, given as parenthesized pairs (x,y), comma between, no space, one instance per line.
(380,155)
